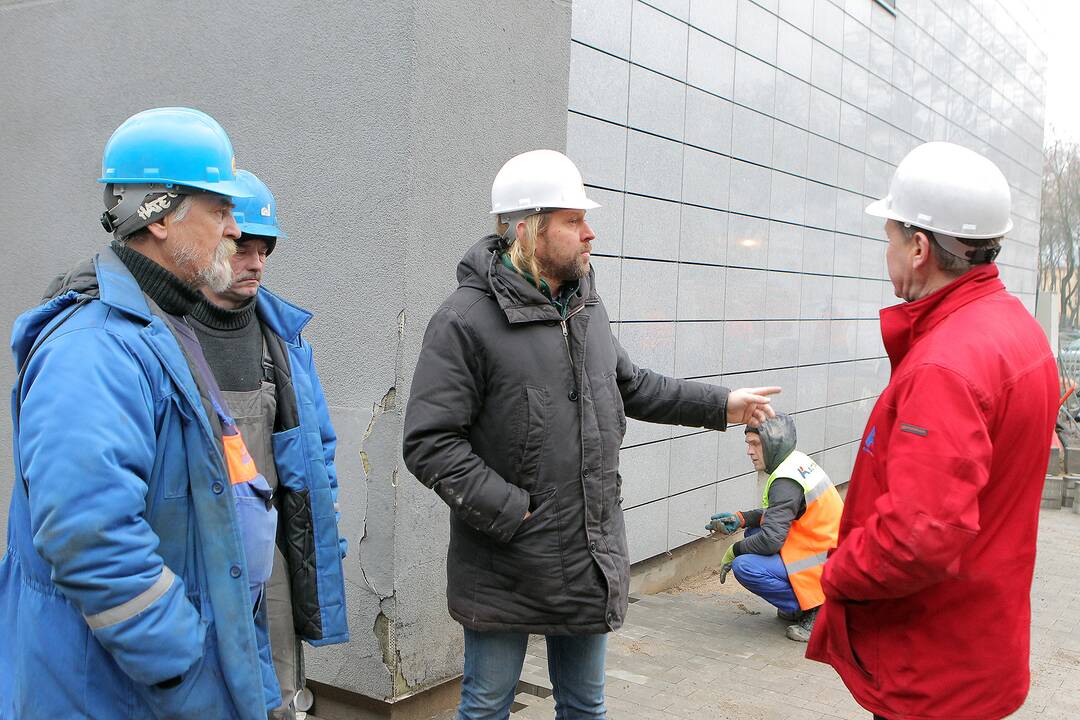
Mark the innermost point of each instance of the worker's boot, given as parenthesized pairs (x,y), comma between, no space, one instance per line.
(790,617)
(800,632)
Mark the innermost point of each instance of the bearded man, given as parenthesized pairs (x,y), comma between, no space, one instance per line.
(140,534)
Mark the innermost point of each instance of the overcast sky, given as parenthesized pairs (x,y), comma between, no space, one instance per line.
(1061,23)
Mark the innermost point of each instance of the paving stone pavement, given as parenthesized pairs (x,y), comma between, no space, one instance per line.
(711,650)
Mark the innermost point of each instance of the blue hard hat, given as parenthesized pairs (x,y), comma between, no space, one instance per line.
(257,214)
(172,146)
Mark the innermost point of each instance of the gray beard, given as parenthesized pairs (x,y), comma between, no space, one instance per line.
(218,274)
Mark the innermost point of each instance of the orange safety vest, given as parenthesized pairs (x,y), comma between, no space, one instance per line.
(812,535)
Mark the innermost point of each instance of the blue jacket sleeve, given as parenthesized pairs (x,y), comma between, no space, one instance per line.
(87,442)
(329,437)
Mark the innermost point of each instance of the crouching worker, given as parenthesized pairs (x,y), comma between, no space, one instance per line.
(782,556)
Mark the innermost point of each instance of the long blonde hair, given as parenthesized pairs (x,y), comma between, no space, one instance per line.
(523,249)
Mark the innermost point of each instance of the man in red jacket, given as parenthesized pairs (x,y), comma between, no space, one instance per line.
(927,611)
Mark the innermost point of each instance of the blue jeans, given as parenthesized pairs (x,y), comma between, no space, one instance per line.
(493,663)
(766,577)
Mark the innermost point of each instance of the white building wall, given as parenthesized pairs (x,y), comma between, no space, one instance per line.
(734,145)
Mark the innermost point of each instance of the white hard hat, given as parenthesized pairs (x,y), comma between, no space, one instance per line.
(948,189)
(538,180)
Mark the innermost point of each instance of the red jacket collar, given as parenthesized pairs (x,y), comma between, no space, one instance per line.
(902,325)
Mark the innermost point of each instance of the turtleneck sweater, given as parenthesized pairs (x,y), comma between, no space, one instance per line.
(232,342)
(171,294)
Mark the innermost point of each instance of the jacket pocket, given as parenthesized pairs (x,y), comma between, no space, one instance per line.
(531,563)
(616,399)
(855,640)
(533,433)
(201,692)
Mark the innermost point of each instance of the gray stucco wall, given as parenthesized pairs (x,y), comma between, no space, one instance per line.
(379,126)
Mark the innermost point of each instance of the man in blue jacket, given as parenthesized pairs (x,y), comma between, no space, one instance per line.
(140,532)
(246,333)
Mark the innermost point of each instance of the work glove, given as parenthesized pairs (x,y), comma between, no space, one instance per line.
(726,522)
(725,564)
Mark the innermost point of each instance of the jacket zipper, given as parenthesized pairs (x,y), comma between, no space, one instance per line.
(566,340)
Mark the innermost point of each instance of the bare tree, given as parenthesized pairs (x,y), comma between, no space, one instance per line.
(1059,243)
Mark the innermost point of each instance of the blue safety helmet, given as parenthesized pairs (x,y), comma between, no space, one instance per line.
(257,215)
(171,146)
(158,154)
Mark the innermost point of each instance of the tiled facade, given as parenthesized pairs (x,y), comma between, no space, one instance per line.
(734,145)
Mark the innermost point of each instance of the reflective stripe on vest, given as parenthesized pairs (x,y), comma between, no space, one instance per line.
(811,536)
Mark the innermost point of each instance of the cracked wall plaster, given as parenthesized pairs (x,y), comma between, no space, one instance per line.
(387,123)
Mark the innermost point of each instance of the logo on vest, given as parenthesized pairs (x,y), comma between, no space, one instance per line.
(868,444)
(806,471)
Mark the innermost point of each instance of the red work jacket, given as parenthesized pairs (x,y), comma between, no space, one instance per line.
(927,611)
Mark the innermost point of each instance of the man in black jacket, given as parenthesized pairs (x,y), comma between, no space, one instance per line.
(518,407)
(782,556)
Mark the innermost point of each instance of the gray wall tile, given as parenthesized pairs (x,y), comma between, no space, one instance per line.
(705,178)
(829,24)
(678,8)
(646,530)
(598,84)
(658,41)
(820,206)
(689,513)
(653,165)
(740,492)
(810,431)
(708,121)
(750,186)
(816,300)
(748,241)
(710,64)
(649,344)
(785,246)
(813,381)
(699,348)
(716,17)
(824,114)
(792,100)
(744,294)
(703,235)
(651,228)
(693,463)
(656,103)
(744,345)
(604,24)
(644,470)
(782,296)
(640,304)
(701,292)
(751,136)
(756,31)
(793,51)
(755,83)
(826,68)
(598,149)
(799,13)
(606,220)
(790,148)
(788,197)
